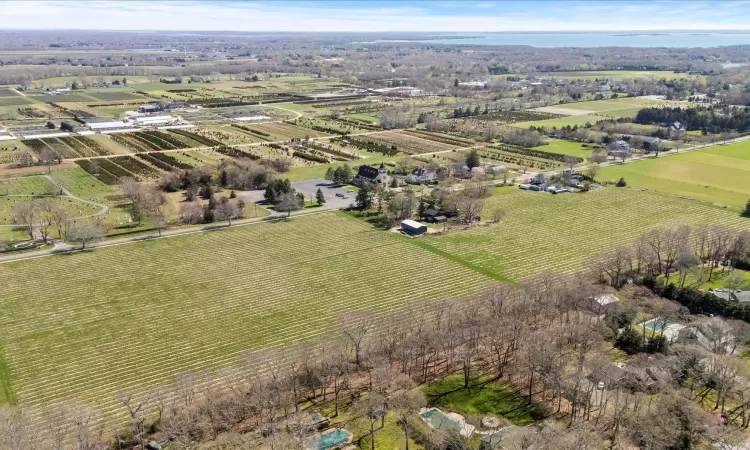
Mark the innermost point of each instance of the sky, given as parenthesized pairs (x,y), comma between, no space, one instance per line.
(370,16)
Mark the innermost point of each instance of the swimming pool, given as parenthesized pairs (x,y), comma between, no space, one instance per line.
(332,439)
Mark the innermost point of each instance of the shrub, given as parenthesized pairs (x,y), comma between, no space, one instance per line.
(621,182)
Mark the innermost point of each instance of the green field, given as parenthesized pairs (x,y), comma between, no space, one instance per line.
(564,147)
(718,174)
(136,315)
(546,233)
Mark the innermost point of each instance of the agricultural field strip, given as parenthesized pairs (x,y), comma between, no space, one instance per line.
(542,232)
(254,144)
(201,346)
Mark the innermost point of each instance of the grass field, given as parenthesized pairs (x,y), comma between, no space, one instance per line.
(718,174)
(136,315)
(564,147)
(546,233)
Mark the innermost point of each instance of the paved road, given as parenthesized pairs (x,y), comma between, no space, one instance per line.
(61,248)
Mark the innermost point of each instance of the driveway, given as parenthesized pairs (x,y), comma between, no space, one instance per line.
(309,188)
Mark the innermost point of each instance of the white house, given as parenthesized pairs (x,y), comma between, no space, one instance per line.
(421,176)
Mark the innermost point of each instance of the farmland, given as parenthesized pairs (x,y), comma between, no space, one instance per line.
(203,316)
(564,147)
(616,74)
(560,233)
(718,174)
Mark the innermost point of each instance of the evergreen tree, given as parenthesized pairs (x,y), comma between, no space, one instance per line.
(320,198)
(330,174)
(455,82)
(746,212)
(621,182)
(364,197)
(472,160)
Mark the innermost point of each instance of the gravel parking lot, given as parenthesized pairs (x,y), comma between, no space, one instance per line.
(309,188)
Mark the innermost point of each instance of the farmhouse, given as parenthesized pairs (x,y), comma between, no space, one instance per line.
(413,227)
(620,149)
(435,216)
(369,174)
(421,175)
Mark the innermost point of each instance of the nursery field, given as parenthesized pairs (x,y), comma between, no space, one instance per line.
(134,316)
(546,233)
(718,174)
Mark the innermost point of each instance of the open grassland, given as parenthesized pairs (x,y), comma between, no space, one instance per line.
(718,174)
(564,147)
(560,233)
(136,315)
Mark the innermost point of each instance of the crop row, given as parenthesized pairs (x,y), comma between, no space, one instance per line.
(560,241)
(164,161)
(439,137)
(523,151)
(369,146)
(196,137)
(235,152)
(84,146)
(93,167)
(409,144)
(336,154)
(312,157)
(518,116)
(201,321)
(137,168)
(521,161)
(125,141)
(357,123)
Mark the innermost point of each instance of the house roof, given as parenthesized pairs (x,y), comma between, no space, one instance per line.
(606,299)
(366,171)
(431,212)
(412,223)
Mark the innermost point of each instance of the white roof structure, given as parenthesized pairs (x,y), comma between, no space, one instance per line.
(606,299)
(154,119)
(412,223)
(120,130)
(7,137)
(177,127)
(42,136)
(250,118)
(85,133)
(107,125)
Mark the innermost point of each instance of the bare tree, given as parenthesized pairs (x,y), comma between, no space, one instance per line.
(355,326)
(26,215)
(191,213)
(287,203)
(85,233)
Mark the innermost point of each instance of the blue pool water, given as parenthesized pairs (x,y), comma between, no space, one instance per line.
(332,439)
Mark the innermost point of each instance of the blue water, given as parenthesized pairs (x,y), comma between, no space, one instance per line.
(599,39)
(333,439)
(656,324)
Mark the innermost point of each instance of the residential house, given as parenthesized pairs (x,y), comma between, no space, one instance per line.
(620,149)
(369,174)
(421,176)
(713,334)
(435,216)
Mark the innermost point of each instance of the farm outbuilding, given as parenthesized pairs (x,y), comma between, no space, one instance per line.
(413,227)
